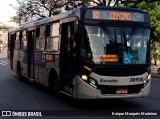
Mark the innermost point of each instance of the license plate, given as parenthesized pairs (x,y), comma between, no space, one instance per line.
(121,91)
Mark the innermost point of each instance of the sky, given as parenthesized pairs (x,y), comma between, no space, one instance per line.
(6,11)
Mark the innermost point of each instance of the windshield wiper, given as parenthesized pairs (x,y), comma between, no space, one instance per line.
(125,40)
(107,31)
(129,37)
(115,34)
(114,46)
(132,32)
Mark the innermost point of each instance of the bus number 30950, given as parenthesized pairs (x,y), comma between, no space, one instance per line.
(140,79)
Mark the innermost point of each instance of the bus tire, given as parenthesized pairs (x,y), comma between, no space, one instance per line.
(53,82)
(19,73)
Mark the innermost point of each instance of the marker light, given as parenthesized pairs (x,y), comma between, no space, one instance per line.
(89,69)
(93,83)
(84,77)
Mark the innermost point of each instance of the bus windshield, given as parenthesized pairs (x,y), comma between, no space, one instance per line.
(124,45)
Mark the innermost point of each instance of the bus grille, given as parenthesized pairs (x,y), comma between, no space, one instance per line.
(120,70)
(112,89)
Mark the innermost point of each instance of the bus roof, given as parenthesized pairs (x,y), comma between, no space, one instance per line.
(79,12)
(47,20)
(117,8)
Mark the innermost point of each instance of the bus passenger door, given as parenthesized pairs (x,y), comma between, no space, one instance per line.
(11,44)
(67,61)
(30,54)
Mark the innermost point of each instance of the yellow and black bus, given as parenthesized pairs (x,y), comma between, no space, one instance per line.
(88,53)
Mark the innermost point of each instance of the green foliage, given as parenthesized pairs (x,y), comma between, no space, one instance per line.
(29,9)
(155,50)
(154,10)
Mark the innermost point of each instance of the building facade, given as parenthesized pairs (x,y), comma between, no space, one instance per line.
(3,34)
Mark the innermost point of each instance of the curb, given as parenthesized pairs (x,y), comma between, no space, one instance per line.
(154,75)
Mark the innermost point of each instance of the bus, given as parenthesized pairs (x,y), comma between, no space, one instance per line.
(95,52)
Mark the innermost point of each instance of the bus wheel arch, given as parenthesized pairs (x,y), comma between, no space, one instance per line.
(53,80)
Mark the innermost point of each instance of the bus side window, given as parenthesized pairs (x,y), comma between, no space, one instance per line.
(55,29)
(40,38)
(42,32)
(53,44)
(17,43)
(24,40)
(40,44)
(53,41)
(71,42)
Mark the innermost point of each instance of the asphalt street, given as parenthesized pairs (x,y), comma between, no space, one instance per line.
(24,96)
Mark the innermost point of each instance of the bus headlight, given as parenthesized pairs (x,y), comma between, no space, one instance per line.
(149,76)
(84,77)
(89,80)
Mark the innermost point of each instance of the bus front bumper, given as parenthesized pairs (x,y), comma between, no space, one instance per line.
(82,90)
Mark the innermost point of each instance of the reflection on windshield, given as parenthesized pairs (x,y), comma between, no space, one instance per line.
(114,45)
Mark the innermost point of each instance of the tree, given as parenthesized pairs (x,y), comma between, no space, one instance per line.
(154,10)
(29,9)
(135,3)
(155,51)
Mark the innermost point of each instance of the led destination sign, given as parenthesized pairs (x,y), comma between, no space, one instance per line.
(105,58)
(114,15)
